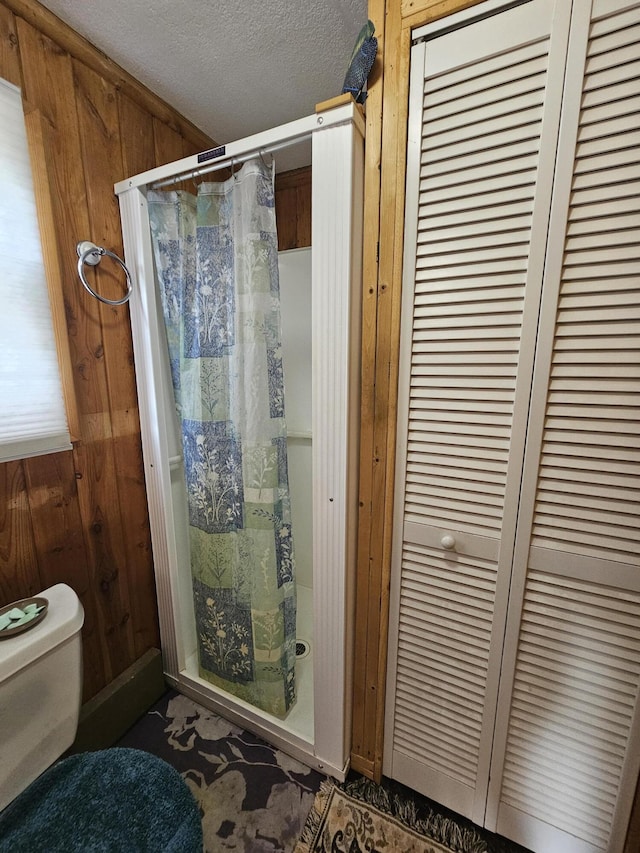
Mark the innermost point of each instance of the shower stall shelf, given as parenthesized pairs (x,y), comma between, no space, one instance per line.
(317,729)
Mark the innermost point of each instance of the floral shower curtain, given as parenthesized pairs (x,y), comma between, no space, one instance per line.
(217,266)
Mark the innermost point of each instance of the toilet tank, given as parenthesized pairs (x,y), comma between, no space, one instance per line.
(40,692)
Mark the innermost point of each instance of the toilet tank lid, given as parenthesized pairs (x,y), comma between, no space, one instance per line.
(64,618)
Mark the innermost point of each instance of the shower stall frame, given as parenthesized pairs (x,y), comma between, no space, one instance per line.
(336,131)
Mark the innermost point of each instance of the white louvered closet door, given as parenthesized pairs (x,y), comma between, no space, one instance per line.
(567,749)
(483,132)
(514,671)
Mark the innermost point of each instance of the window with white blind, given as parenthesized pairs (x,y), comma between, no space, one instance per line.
(32,411)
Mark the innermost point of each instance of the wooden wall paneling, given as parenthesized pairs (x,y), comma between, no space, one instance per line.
(169,145)
(380,378)
(286,222)
(49,85)
(385,388)
(77,46)
(103,164)
(55,511)
(191,146)
(9,53)
(366,595)
(61,550)
(293,208)
(99,129)
(106,146)
(101,520)
(303,207)
(392,204)
(136,140)
(135,523)
(138,156)
(19,571)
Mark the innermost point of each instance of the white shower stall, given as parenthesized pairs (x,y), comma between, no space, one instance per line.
(320,306)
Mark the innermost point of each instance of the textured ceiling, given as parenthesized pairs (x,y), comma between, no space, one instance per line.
(232,67)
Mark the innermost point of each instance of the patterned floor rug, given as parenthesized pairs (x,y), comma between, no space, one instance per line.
(362,817)
(253,798)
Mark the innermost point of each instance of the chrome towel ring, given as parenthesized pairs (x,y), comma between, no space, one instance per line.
(89,253)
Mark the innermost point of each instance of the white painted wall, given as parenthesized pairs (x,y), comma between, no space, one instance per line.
(295,308)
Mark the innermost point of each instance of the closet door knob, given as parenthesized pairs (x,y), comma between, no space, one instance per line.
(448,542)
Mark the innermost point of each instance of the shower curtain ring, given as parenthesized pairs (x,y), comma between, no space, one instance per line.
(89,253)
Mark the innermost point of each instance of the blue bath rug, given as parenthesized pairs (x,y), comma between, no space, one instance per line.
(108,802)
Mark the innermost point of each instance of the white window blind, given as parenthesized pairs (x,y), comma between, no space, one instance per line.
(32,412)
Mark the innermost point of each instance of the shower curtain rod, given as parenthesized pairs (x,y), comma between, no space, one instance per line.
(266,141)
(229,161)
